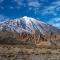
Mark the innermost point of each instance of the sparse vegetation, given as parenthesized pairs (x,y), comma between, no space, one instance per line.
(26,46)
(15,53)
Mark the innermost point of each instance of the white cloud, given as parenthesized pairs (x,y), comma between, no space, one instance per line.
(2,7)
(1,1)
(55,22)
(52,9)
(19,2)
(11,7)
(34,4)
(31,4)
(57,25)
(3,18)
(56,19)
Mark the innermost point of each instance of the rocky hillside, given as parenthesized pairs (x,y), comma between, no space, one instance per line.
(27,30)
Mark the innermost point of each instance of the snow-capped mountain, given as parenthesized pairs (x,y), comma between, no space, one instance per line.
(27,24)
(28,30)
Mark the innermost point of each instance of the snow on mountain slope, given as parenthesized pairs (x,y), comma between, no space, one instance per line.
(27,24)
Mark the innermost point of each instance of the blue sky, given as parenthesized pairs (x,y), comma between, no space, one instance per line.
(44,10)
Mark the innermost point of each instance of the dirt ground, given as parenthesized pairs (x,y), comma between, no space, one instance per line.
(16,52)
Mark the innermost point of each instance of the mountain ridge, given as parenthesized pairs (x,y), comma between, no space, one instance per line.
(26,24)
(28,30)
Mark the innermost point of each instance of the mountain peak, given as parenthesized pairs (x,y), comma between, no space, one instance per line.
(27,24)
(26,18)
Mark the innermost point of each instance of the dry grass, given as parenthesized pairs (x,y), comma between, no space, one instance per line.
(13,52)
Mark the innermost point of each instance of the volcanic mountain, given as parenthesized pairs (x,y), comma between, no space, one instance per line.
(28,30)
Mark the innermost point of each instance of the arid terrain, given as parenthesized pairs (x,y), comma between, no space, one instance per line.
(25,46)
(34,40)
(16,52)
(29,39)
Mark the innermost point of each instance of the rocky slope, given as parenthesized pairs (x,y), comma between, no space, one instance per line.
(27,24)
(28,30)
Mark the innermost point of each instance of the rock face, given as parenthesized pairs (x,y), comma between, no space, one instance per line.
(28,30)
